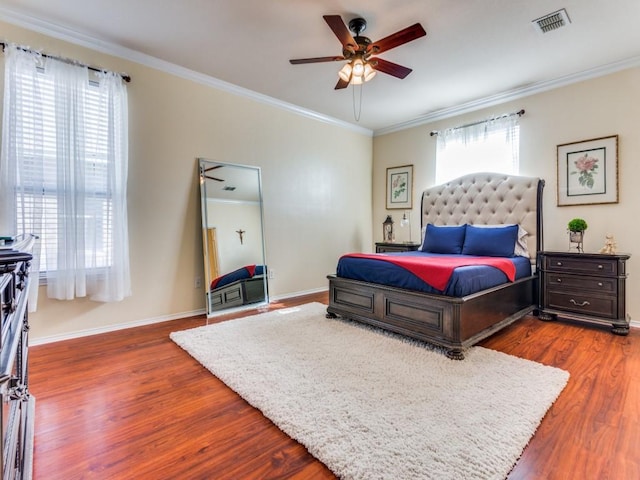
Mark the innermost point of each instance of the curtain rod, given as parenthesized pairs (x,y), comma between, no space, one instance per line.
(519,113)
(124,76)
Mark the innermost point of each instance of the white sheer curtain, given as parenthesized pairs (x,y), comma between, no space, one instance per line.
(64,172)
(490,146)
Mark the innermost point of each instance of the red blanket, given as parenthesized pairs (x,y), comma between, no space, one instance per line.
(247,271)
(436,271)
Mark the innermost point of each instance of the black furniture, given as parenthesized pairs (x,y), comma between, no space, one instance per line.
(588,287)
(18,405)
(383,247)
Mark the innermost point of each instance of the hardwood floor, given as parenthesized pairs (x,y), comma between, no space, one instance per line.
(132,404)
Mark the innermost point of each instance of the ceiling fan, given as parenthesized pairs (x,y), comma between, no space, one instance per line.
(204,174)
(360,51)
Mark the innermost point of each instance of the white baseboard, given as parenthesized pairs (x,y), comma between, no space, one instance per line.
(113,328)
(149,321)
(277,298)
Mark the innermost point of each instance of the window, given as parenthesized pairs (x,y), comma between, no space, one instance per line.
(40,165)
(491,146)
(64,163)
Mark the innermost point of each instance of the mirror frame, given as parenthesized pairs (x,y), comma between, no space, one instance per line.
(204,163)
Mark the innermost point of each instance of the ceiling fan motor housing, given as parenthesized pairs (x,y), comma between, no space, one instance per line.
(358,25)
(363,43)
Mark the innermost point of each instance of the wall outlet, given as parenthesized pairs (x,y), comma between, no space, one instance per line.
(197,282)
(272,274)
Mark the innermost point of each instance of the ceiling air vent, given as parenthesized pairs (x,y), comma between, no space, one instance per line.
(552,21)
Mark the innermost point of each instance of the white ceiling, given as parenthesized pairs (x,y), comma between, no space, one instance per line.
(476,52)
(244,180)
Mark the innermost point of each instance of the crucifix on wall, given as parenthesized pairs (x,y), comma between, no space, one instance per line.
(240,233)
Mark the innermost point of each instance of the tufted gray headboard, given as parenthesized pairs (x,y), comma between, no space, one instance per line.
(488,199)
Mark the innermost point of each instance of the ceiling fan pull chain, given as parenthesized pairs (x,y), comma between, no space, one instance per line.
(353,93)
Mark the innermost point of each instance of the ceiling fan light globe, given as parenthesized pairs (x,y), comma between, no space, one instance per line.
(356,80)
(358,67)
(369,72)
(345,72)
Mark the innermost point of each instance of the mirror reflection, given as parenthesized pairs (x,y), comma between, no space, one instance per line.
(233,236)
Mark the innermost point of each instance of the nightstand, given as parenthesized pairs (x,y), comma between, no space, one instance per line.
(587,287)
(383,247)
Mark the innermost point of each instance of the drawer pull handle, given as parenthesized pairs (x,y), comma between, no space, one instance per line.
(579,304)
(559,280)
(559,264)
(600,267)
(599,284)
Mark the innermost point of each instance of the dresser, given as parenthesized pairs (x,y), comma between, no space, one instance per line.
(586,287)
(18,405)
(383,247)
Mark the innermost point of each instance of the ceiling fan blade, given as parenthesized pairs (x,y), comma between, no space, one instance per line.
(399,38)
(341,84)
(214,178)
(341,31)
(298,61)
(389,68)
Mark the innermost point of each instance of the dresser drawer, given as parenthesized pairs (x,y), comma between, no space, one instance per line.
(601,306)
(601,266)
(603,285)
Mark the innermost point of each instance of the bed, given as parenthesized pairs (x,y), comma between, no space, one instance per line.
(243,286)
(455,319)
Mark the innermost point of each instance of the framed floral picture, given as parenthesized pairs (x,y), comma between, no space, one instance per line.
(400,187)
(588,172)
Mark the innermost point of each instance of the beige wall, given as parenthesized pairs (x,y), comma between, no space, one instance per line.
(316,182)
(600,107)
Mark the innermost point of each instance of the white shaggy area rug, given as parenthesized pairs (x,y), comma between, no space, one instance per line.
(371,405)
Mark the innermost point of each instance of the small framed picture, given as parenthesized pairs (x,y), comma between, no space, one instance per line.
(588,172)
(400,187)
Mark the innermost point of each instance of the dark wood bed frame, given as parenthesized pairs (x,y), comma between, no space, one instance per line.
(455,323)
(238,293)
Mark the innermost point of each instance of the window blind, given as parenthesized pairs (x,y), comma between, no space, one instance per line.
(38,203)
(63,171)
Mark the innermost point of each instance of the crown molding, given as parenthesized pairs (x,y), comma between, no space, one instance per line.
(68,35)
(510,95)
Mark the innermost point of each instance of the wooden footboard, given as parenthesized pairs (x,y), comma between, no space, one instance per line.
(240,292)
(451,322)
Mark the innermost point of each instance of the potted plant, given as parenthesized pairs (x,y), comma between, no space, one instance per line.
(576,228)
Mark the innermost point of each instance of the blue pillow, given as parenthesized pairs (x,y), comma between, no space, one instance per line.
(490,242)
(444,239)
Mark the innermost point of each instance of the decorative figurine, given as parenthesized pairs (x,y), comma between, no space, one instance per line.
(610,245)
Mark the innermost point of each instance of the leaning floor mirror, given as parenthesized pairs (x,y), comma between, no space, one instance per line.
(233,236)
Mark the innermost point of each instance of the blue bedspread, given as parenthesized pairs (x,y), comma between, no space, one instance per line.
(239,274)
(464,280)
